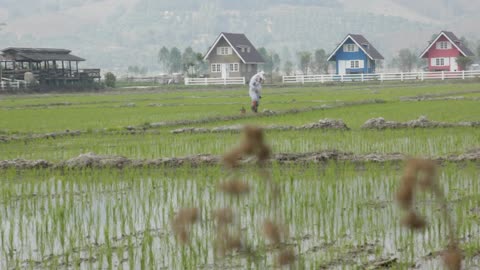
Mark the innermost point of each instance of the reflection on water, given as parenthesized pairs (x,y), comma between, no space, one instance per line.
(339,217)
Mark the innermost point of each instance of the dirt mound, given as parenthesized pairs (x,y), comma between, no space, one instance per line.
(267,113)
(91,160)
(421,122)
(326,124)
(470,155)
(322,124)
(51,135)
(24,164)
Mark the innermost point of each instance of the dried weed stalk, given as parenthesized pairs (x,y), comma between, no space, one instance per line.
(223,216)
(286,257)
(252,144)
(234,187)
(181,222)
(421,174)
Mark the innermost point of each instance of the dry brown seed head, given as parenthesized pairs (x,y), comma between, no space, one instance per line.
(182,235)
(234,187)
(272,232)
(227,242)
(286,257)
(413,221)
(223,216)
(233,243)
(452,258)
(404,194)
(253,135)
(186,216)
(232,158)
(263,153)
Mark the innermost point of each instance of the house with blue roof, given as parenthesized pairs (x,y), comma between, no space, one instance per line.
(355,55)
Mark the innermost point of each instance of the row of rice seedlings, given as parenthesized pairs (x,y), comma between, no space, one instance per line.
(173,95)
(121,218)
(428,142)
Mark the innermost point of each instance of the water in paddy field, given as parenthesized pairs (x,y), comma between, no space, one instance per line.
(338,216)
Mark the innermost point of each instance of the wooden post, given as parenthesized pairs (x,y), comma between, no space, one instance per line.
(463,74)
(341,77)
(443,75)
(322,80)
(362,78)
(422,76)
(401,76)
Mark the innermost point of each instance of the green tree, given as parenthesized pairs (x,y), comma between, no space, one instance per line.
(276,61)
(407,60)
(320,63)
(164,58)
(201,67)
(189,60)
(464,62)
(110,79)
(175,60)
(268,65)
(305,59)
(478,52)
(288,67)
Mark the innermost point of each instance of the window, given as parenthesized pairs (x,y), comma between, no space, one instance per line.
(233,67)
(224,50)
(444,45)
(350,48)
(354,64)
(439,62)
(216,68)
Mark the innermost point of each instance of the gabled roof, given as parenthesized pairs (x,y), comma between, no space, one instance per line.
(361,42)
(454,40)
(237,41)
(39,54)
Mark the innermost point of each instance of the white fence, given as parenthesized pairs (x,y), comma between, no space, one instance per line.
(406,76)
(12,84)
(214,81)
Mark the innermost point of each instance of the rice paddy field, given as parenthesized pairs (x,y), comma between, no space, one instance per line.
(324,213)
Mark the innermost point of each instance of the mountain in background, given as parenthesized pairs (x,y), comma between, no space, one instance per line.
(113,34)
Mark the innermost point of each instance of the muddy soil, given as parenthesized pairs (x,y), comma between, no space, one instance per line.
(92,160)
(421,122)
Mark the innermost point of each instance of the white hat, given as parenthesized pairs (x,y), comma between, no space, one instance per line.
(262,74)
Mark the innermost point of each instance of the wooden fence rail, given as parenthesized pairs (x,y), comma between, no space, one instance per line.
(6,84)
(402,76)
(214,81)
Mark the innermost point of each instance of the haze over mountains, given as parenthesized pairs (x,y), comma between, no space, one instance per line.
(113,34)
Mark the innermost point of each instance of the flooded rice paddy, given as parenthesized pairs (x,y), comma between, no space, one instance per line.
(338,216)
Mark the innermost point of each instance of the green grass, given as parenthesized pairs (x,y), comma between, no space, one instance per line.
(97,111)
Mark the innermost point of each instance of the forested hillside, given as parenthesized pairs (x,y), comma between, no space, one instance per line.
(118,33)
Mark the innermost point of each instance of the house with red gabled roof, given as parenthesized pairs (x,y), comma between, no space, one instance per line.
(443,51)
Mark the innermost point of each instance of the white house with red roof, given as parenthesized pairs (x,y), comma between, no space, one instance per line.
(443,51)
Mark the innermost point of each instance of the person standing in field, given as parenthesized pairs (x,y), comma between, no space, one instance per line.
(255,86)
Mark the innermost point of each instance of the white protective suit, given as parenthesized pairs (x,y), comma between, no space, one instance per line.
(256,86)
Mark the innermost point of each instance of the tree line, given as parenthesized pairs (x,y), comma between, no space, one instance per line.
(191,63)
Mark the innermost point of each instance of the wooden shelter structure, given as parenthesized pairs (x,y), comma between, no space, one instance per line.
(48,66)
